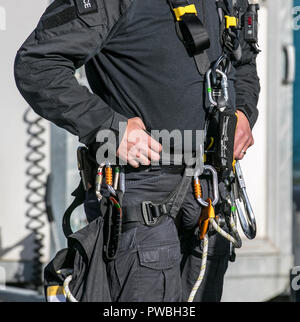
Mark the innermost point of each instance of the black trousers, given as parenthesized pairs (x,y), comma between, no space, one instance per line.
(162,263)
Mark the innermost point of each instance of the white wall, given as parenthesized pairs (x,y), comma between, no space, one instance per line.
(20,19)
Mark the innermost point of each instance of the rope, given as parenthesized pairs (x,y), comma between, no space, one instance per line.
(236,241)
(202,270)
(70,297)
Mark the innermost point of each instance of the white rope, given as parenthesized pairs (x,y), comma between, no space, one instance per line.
(69,295)
(237,242)
(202,270)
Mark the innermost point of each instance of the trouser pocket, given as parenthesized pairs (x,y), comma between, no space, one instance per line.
(150,274)
(158,273)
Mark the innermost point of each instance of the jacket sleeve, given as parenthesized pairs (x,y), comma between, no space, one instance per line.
(68,34)
(247,87)
(247,83)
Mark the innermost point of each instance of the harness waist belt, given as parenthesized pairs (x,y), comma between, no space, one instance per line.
(163,168)
(147,213)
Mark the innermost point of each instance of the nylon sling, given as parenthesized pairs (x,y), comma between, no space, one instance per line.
(191,32)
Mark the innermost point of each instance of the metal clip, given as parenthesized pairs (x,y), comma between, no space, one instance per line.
(224,86)
(99,180)
(214,174)
(246,218)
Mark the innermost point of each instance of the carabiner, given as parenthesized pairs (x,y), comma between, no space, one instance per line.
(215,186)
(224,86)
(99,179)
(247,218)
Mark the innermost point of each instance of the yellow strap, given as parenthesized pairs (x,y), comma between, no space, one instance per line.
(55,290)
(181,11)
(231,21)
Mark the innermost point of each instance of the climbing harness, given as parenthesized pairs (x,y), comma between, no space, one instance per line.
(219,165)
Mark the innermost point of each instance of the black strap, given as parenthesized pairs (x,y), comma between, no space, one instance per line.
(181,193)
(202,63)
(79,194)
(150,213)
(194,36)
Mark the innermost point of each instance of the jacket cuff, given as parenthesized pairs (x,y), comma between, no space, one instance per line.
(251,114)
(112,123)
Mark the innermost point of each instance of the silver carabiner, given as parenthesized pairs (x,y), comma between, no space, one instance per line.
(246,218)
(214,174)
(209,88)
(224,86)
(99,180)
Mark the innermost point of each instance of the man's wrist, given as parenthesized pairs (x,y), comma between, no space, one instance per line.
(243,110)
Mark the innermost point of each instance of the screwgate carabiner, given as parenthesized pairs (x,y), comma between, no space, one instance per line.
(224,86)
(215,186)
(99,179)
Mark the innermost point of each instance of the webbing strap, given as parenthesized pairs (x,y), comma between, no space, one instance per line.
(157,210)
(193,34)
(202,63)
(79,194)
(181,193)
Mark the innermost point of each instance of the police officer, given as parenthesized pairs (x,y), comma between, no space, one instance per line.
(140,73)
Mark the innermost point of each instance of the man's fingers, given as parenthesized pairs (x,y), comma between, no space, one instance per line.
(133,163)
(149,147)
(242,148)
(154,145)
(137,146)
(150,154)
(239,147)
(142,159)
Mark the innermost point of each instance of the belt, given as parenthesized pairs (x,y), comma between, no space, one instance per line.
(161,167)
(146,213)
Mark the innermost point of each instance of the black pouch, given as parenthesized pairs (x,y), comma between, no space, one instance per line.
(78,273)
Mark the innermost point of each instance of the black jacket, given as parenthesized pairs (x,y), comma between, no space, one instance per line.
(136,66)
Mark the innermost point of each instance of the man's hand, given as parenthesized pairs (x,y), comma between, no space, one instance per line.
(243,136)
(137,147)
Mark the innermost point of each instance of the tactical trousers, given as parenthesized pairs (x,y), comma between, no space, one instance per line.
(162,263)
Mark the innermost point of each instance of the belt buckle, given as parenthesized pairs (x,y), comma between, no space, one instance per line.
(151,213)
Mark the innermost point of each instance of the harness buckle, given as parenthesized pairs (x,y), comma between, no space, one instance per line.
(181,11)
(231,21)
(152,212)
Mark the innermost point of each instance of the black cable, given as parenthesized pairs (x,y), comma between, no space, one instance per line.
(36,190)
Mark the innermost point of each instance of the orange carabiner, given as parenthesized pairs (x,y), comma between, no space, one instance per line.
(206,214)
